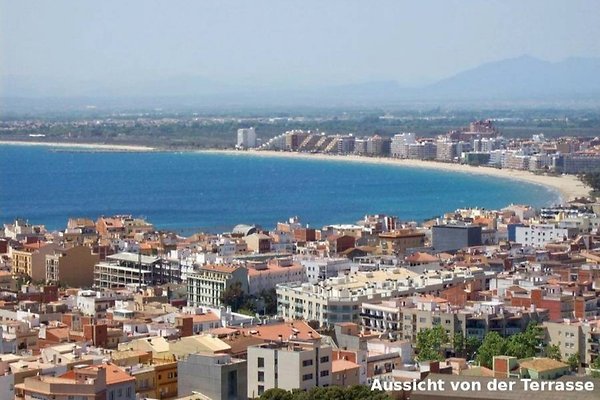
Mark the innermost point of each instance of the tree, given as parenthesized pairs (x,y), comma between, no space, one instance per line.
(472,343)
(591,179)
(595,367)
(574,361)
(553,352)
(326,393)
(493,345)
(233,296)
(429,344)
(459,345)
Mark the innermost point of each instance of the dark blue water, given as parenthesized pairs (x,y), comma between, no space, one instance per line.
(185,191)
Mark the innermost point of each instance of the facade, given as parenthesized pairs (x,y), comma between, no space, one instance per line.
(339,299)
(267,275)
(398,241)
(216,376)
(288,365)
(318,269)
(246,138)
(72,267)
(455,237)
(539,235)
(31,260)
(207,285)
(124,269)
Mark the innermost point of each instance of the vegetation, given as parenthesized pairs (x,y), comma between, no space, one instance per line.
(465,347)
(574,361)
(595,367)
(553,352)
(239,301)
(326,393)
(592,179)
(522,345)
(430,344)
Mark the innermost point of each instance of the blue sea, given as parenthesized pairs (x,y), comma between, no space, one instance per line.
(187,192)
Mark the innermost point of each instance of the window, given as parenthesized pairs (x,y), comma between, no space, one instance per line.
(307,377)
(324,373)
(324,359)
(120,393)
(261,362)
(129,391)
(261,376)
(261,390)
(307,363)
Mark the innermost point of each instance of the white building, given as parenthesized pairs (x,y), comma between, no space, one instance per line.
(540,235)
(246,138)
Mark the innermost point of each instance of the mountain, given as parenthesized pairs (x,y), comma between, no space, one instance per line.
(518,79)
(521,78)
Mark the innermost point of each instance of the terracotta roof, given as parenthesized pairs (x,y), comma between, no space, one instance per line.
(114,374)
(285,329)
(221,268)
(209,316)
(342,365)
(421,257)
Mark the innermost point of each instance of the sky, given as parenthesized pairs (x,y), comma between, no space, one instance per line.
(283,43)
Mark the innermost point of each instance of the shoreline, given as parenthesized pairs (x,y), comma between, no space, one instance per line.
(566,186)
(87,146)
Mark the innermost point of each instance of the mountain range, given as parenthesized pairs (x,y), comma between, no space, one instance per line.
(522,78)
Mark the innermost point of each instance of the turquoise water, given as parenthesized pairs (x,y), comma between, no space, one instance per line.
(189,191)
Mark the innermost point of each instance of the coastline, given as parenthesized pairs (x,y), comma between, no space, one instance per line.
(86,146)
(566,186)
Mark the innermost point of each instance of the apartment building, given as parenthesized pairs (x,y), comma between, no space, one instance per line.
(320,268)
(397,242)
(267,275)
(288,365)
(73,267)
(207,285)
(539,235)
(216,376)
(575,336)
(31,260)
(452,237)
(339,299)
(403,318)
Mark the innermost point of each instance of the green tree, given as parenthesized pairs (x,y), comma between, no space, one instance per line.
(553,352)
(459,344)
(472,343)
(234,296)
(276,394)
(493,345)
(430,342)
(525,344)
(574,361)
(591,179)
(595,367)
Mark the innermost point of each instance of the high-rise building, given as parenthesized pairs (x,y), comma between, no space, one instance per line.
(246,138)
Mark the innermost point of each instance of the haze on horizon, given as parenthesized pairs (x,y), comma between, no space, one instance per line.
(277,44)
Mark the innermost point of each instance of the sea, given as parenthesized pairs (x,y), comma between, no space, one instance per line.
(188,192)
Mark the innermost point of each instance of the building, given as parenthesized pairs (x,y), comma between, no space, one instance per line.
(339,299)
(398,241)
(216,376)
(73,267)
(106,381)
(31,260)
(124,269)
(267,275)
(318,269)
(288,365)
(455,237)
(541,234)
(246,138)
(207,285)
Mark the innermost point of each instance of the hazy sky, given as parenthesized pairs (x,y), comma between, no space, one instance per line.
(285,42)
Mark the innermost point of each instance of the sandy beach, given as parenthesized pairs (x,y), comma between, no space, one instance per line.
(83,146)
(568,186)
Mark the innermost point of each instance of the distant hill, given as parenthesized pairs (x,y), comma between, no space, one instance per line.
(521,78)
(518,79)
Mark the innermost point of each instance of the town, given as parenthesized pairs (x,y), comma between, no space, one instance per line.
(117,306)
